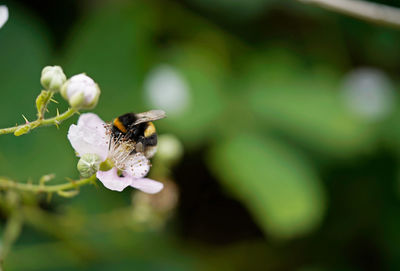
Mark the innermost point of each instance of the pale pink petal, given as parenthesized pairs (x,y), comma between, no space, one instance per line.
(112,181)
(89,136)
(137,165)
(147,185)
(92,121)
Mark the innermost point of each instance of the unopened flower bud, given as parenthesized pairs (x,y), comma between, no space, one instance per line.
(52,78)
(170,149)
(81,92)
(89,164)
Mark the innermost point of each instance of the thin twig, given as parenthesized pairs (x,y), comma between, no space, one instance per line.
(373,12)
(37,188)
(41,122)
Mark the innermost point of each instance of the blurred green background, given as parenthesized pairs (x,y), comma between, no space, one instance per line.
(288,115)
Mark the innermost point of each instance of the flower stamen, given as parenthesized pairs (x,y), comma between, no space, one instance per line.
(120,151)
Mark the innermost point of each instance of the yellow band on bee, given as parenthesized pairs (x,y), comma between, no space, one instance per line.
(150,129)
(117,123)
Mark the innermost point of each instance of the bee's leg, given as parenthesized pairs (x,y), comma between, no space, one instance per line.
(139,147)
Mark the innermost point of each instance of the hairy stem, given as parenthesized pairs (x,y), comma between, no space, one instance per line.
(38,188)
(42,101)
(41,122)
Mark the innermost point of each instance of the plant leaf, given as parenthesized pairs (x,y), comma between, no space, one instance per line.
(278,186)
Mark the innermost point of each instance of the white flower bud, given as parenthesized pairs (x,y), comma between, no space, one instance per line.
(170,149)
(3,15)
(52,78)
(81,92)
(89,164)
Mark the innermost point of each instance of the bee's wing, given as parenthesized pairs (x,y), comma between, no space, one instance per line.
(149,116)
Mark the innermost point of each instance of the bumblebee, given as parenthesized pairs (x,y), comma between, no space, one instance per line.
(137,130)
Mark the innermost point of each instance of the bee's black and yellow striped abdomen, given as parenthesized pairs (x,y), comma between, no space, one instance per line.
(138,130)
(119,125)
(124,128)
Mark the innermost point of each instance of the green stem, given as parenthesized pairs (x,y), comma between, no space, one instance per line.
(42,101)
(58,119)
(38,188)
(40,122)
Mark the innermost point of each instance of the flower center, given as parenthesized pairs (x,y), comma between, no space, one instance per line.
(106,165)
(119,153)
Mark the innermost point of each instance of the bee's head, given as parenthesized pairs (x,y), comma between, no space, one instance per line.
(123,122)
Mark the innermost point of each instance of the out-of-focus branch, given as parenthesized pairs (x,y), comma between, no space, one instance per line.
(10,234)
(68,189)
(373,12)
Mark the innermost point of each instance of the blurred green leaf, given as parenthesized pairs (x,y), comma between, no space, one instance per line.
(277,184)
(305,103)
(315,117)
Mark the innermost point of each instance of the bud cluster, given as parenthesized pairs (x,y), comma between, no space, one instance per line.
(80,90)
